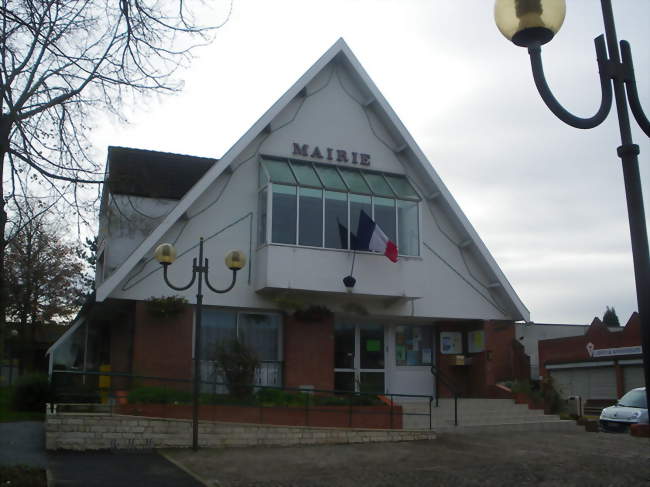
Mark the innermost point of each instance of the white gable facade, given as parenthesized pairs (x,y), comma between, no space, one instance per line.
(289,194)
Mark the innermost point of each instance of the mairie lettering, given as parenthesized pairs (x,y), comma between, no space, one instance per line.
(330,154)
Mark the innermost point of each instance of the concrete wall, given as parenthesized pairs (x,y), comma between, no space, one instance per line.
(101,431)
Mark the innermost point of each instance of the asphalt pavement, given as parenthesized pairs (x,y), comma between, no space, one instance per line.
(23,443)
(116,469)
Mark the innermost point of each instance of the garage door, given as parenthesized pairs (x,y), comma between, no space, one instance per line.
(633,376)
(589,383)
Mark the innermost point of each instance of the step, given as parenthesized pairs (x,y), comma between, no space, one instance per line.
(557,425)
(421,422)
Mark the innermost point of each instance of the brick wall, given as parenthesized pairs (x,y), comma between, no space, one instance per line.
(103,431)
(309,353)
(162,347)
(502,359)
(574,349)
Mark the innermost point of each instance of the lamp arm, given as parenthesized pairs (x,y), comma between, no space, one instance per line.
(630,87)
(535,53)
(177,288)
(207,281)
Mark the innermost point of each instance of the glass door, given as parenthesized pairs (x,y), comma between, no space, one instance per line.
(359,358)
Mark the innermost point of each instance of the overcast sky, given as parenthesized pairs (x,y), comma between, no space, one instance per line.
(548,200)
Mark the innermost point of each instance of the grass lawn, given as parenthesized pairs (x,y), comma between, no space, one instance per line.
(7,414)
(22,477)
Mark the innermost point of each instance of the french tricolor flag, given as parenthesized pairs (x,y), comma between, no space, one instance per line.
(371,237)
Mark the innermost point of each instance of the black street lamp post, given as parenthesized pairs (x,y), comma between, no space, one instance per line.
(531,23)
(235,260)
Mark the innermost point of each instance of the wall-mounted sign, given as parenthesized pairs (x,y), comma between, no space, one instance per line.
(329,154)
(476,341)
(610,352)
(451,342)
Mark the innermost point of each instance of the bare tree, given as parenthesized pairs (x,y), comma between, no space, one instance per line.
(45,279)
(61,63)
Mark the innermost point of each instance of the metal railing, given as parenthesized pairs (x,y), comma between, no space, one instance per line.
(440,377)
(123,393)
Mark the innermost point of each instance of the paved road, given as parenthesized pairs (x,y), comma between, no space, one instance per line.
(516,459)
(116,469)
(23,443)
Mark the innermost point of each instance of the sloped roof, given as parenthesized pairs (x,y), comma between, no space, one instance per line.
(153,174)
(341,53)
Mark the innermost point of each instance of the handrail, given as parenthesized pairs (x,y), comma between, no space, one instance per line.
(441,377)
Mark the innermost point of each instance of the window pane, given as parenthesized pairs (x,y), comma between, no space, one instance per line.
(413,345)
(306,174)
(355,181)
(261,222)
(401,186)
(372,346)
(261,332)
(279,171)
(343,346)
(385,216)
(378,184)
(330,177)
(408,234)
(217,327)
(344,381)
(336,220)
(310,223)
(284,214)
(371,382)
(358,203)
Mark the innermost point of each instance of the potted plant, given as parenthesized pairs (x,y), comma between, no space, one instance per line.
(165,306)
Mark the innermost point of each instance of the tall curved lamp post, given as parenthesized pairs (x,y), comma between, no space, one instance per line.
(235,260)
(532,23)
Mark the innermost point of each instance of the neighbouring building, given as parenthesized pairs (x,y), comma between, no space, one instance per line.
(529,334)
(290,194)
(601,363)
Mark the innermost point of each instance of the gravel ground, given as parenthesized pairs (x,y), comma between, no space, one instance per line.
(522,459)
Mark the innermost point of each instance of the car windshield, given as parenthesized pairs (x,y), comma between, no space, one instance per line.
(634,399)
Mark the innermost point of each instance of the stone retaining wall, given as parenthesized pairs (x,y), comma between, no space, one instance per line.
(79,431)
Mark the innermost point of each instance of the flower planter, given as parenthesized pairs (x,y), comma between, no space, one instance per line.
(521,398)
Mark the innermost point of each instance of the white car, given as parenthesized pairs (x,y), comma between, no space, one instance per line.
(630,409)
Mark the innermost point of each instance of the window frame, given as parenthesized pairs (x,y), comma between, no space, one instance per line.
(238,313)
(268,186)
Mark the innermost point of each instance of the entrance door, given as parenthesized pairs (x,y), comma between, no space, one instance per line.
(359,357)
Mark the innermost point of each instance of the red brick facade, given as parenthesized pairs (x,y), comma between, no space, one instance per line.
(502,359)
(574,349)
(162,347)
(309,353)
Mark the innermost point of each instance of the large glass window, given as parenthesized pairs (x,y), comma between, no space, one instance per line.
(310,223)
(284,210)
(319,205)
(413,345)
(358,203)
(260,331)
(385,216)
(336,220)
(408,237)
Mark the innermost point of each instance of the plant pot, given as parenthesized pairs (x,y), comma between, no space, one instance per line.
(521,398)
